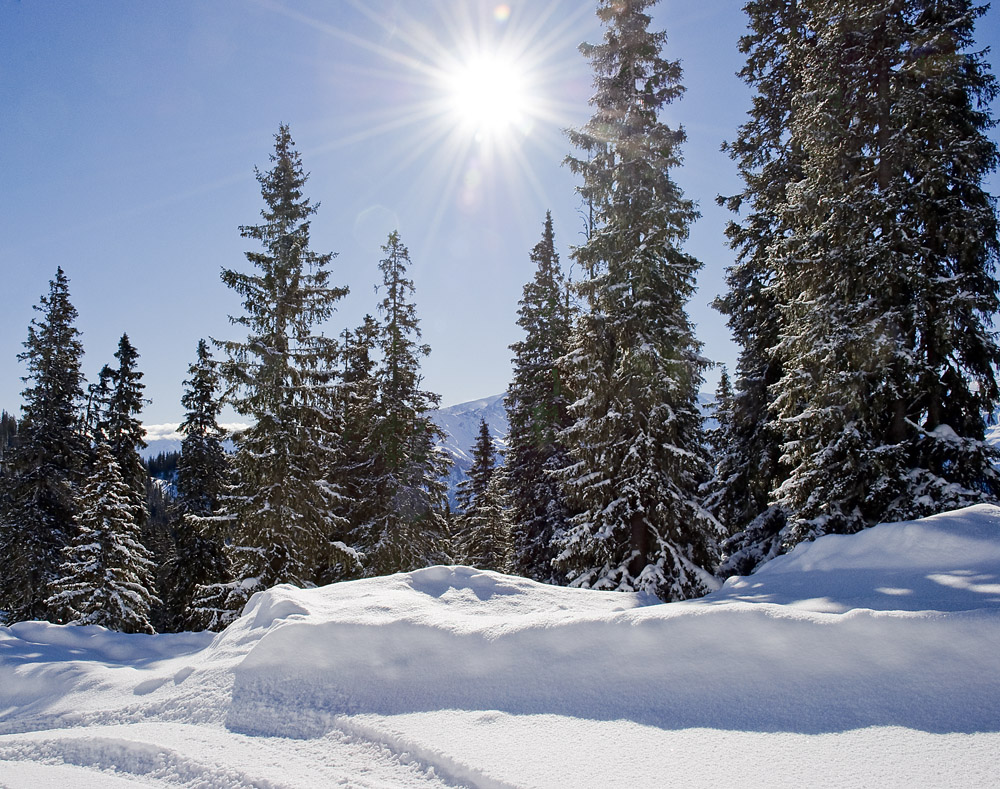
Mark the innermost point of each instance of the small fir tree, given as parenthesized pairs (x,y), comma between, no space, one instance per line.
(482,528)
(122,429)
(107,574)
(8,436)
(202,479)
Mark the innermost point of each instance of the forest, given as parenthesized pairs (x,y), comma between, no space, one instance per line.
(861,294)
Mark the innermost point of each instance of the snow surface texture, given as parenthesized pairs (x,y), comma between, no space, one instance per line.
(868,660)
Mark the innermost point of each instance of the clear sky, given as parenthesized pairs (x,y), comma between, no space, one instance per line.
(130,132)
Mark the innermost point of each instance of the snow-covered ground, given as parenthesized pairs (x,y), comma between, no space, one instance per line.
(870,660)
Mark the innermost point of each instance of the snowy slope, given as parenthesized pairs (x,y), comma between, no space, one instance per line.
(868,660)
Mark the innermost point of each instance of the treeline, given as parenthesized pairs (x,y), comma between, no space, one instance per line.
(861,297)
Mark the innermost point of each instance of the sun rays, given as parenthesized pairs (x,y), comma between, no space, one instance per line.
(476,95)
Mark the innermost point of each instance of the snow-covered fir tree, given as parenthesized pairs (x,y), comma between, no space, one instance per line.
(636,441)
(39,486)
(537,410)
(722,410)
(406,528)
(359,406)
(748,465)
(198,527)
(121,428)
(106,577)
(281,377)
(482,536)
(887,358)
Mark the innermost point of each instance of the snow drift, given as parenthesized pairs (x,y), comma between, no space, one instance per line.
(879,651)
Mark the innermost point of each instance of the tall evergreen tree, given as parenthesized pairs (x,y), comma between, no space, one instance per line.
(407,528)
(749,466)
(107,573)
(280,376)
(888,361)
(38,492)
(634,364)
(202,478)
(482,538)
(537,410)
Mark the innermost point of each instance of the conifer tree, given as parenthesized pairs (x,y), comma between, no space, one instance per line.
(407,528)
(202,479)
(40,485)
(636,441)
(280,376)
(107,573)
(722,410)
(749,467)
(537,410)
(483,465)
(482,530)
(360,408)
(887,358)
(122,429)
(8,435)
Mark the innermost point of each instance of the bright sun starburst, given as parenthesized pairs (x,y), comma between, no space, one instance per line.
(479,93)
(488,94)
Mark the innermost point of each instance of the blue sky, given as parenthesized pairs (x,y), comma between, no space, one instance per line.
(130,132)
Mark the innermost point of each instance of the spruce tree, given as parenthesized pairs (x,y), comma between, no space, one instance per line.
(722,412)
(482,538)
(886,355)
(537,410)
(407,528)
(40,485)
(361,466)
(8,437)
(107,574)
(749,465)
(280,377)
(637,445)
(198,528)
(122,429)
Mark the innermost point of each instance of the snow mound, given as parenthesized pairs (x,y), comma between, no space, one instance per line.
(801,646)
(948,562)
(863,660)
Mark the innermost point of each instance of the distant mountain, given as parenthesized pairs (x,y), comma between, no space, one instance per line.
(461,426)
(459,422)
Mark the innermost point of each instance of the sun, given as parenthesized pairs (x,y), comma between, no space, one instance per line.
(488,94)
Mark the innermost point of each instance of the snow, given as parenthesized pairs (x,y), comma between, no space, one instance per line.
(863,660)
